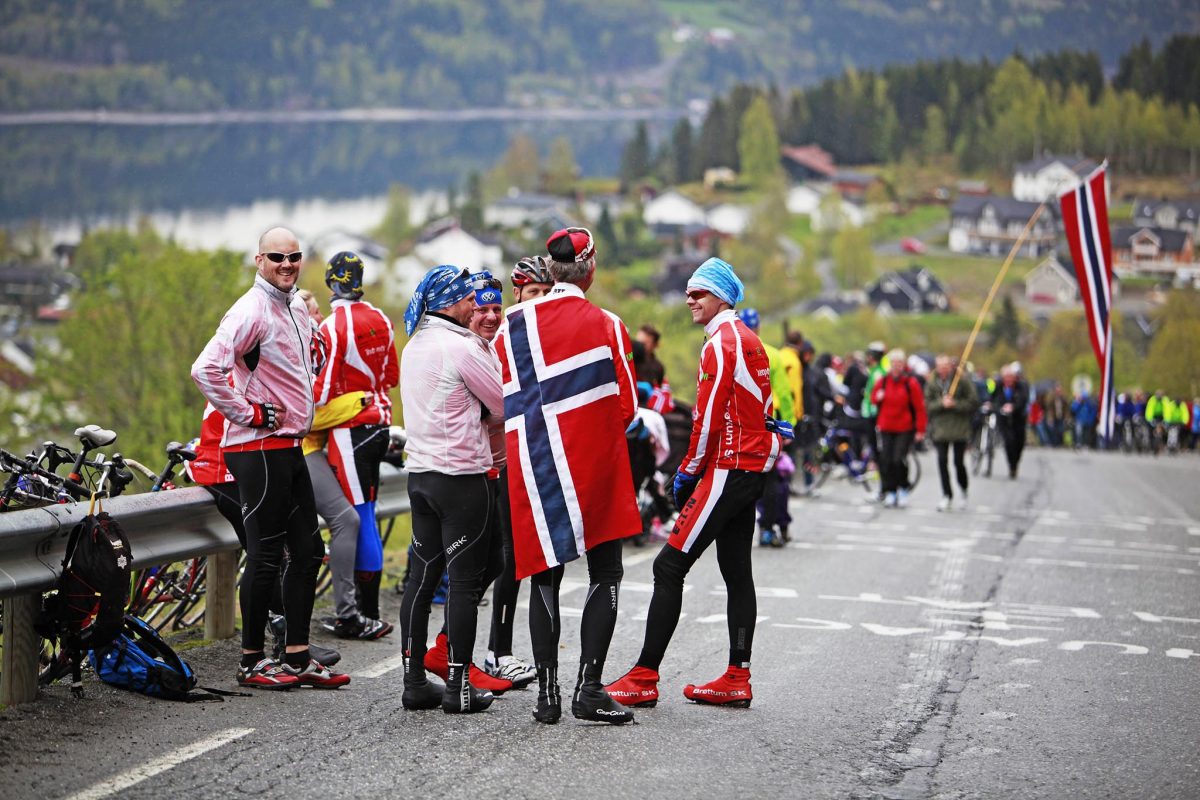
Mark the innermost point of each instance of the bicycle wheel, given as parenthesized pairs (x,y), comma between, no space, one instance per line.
(914,470)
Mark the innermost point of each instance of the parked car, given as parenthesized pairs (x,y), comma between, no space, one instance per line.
(911,245)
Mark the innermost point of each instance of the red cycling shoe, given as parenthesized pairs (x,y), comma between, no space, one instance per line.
(637,688)
(731,689)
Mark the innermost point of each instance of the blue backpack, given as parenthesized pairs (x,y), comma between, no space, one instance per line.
(140,661)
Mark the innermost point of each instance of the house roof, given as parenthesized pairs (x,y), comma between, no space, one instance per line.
(813,157)
(836,305)
(1076,163)
(1187,208)
(1052,264)
(919,285)
(1007,208)
(855,178)
(1173,241)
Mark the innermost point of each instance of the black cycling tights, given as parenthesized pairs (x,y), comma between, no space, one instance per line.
(278,511)
(504,595)
(730,523)
(599,609)
(451,519)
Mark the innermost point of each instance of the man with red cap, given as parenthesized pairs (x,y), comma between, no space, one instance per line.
(569,394)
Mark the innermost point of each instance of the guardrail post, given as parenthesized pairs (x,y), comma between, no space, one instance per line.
(19,669)
(221,598)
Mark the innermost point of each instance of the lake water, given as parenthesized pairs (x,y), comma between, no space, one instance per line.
(217,185)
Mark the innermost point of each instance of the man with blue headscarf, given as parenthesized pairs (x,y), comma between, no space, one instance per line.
(734,445)
(450,387)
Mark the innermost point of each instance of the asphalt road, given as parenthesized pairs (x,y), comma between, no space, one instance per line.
(1039,644)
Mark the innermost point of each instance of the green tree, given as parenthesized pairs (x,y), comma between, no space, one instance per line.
(853,259)
(933,138)
(1173,363)
(758,144)
(635,158)
(682,156)
(561,169)
(396,227)
(519,168)
(1006,325)
(149,309)
(606,235)
(471,212)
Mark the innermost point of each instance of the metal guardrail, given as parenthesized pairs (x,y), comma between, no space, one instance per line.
(162,528)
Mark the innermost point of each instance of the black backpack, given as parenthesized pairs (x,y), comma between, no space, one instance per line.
(86,609)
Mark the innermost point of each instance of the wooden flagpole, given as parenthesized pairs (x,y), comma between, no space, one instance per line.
(987,304)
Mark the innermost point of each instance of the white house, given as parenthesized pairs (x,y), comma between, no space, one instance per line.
(1044,178)
(728,219)
(443,243)
(844,214)
(593,206)
(672,208)
(805,198)
(1169,214)
(1051,283)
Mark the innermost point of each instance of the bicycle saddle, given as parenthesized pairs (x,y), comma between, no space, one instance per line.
(180,451)
(95,436)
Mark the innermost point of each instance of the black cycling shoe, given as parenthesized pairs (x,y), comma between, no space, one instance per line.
(460,696)
(549,702)
(422,696)
(325,656)
(592,704)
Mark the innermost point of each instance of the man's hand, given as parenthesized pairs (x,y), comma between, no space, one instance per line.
(682,488)
(267,415)
(782,427)
(948,401)
(919,437)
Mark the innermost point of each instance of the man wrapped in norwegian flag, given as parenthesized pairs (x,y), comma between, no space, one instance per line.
(569,394)
(735,441)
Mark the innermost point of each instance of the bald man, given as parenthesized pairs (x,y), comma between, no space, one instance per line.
(258,370)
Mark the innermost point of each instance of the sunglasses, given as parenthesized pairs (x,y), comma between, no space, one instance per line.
(278,258)
(697,295)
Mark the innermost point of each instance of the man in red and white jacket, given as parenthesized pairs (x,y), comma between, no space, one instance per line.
(361,348)
(716,489)
(265,342)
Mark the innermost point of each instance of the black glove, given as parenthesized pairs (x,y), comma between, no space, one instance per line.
(266,415)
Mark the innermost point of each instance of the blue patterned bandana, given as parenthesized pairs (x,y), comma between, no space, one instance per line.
(441,288)
(718,277)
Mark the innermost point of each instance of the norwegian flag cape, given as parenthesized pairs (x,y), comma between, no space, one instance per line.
(569,394)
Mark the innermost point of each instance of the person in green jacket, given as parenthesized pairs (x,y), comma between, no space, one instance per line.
(950,424)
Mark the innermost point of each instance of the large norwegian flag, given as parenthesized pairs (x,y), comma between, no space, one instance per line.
(569,393)
(1085,218)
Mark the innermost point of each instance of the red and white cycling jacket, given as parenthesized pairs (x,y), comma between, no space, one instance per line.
(266,342)
(733,400)
(360,348)
(208,468)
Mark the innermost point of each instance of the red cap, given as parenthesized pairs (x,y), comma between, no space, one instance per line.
(571,244)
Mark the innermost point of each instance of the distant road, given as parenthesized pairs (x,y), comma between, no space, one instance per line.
(227,117)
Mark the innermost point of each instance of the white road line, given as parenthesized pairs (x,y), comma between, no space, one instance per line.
(160,764)
(381,668)
(638,558)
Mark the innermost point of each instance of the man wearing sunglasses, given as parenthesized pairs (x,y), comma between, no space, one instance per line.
(266,342)
(733,445)
(569,394)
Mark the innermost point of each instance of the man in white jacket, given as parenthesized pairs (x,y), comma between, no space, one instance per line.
(265,341)
(450,386)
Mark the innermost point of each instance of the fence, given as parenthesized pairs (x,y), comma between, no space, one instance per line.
(162,528)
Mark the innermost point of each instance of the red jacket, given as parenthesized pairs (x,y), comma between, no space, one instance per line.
(361,350)
(733,400)
(899,401)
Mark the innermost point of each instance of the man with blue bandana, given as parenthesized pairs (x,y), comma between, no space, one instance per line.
(450,387)
(735,442)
